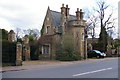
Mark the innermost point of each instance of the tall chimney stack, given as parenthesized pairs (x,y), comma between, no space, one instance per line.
(81,14)
(63,9)
(67,11)
(78,14)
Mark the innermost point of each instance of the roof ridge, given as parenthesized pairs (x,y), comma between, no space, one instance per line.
(56,17)
(60,12)
(54,11)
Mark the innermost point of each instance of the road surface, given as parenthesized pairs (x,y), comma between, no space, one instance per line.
(102,69)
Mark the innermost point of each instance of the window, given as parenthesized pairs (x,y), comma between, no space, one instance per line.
(45,49)
(48,29)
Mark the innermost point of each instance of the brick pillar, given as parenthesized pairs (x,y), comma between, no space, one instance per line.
(19,54)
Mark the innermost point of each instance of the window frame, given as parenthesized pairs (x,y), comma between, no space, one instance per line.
(44,48)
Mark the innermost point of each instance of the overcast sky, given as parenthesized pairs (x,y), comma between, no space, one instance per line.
(29,14)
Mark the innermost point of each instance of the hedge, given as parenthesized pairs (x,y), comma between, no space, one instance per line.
(8,52)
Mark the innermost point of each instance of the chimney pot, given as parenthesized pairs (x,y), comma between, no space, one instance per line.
(78,14)
(65,10)
(77,9)
(66,6)
(62,9)
(80,10)
(62,5)
(81,14)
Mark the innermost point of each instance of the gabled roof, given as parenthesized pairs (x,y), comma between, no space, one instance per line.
(56,17)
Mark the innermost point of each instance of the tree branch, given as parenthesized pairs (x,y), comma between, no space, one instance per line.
(108,19)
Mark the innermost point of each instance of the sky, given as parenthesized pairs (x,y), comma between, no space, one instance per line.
(30,14)
(119,20)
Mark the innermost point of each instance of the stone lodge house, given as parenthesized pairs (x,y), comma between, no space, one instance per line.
(59,27)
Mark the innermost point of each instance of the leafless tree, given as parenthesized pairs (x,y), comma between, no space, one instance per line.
(17,33)
(102,18)
(106,20)
(34,32)
(92,21)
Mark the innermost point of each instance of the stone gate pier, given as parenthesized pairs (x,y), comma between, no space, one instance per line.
(19,54)
(26,48)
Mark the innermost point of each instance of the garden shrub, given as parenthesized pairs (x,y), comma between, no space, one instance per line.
(65,50)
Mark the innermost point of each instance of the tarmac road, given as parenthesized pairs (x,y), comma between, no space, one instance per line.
(100,69)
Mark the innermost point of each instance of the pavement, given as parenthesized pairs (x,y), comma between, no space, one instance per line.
(30,65)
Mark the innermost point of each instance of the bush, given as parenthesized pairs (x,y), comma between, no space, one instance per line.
(68,56)
(65,51)
(8,52)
